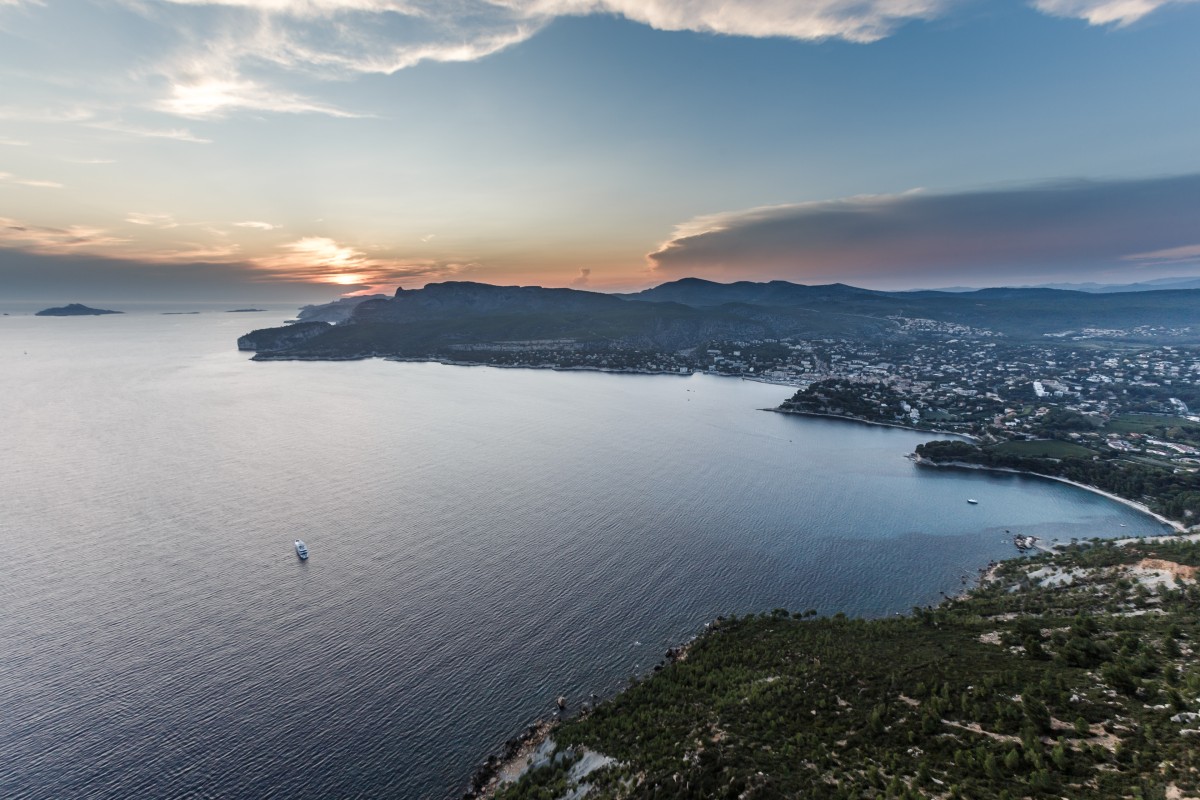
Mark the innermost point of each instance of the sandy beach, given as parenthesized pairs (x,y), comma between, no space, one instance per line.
(1178,526)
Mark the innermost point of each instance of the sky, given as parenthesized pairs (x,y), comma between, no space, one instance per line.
(303,149)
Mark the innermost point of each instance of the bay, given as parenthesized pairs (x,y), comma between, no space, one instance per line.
(482,541)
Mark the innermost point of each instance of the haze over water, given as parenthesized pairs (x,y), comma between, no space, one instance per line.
(482,541)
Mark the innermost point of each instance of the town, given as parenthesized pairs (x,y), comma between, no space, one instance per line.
(1125,394)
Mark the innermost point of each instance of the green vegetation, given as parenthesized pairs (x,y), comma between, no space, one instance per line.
(1058,421)
(1176,429)
(870,402)
(1042,448)
(1069,675)
(1172,493)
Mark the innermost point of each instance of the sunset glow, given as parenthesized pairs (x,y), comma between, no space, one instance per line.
(251,149)
(350,279)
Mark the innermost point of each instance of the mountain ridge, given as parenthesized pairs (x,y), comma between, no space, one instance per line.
(448,317)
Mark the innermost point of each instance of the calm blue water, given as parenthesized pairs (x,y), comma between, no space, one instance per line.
(482,541)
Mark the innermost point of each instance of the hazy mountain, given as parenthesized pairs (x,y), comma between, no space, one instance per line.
(1158,284)
(446,318)
(337,311)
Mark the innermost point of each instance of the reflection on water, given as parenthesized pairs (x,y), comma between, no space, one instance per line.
(481,541)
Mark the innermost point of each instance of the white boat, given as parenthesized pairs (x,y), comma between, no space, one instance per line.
(972,501)
(302,550)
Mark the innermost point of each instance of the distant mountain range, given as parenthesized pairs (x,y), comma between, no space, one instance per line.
(447,318)
(1155,285)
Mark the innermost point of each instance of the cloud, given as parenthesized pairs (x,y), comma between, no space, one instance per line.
(47,276)
(215,265)
(21,114)
(1187,254)
(1104,12)
(156,220)
(262,226)
(214,58)
(90,161)
(497,23)
(6,177)
(178,134)
(215,97)
(13,143)
(231,55)
(383,36)
(46,240)
(584,277)
(324,260)
(1059,229)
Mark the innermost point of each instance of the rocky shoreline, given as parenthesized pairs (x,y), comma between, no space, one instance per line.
(513,757)
(494,771)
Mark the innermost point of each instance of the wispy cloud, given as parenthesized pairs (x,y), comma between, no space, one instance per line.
(1104,12)
(583,278)
(215,97)
(262,226)
(324,260)
(90,161)
(235,55)
(47,240)
(177,134)
(216,58)
(157,220)
(13,143)
(24,114)
(6,177)
(1187,254)
(1042,230)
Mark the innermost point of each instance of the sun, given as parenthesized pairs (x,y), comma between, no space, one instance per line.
(347,278)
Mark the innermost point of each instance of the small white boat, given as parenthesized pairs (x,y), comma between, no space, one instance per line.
(302,550)
(972,501)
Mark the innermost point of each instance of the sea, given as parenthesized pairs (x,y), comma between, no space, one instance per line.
(482,541)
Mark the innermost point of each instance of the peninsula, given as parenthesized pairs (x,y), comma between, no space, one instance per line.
(1069,674)
(1094,388)
(74,310)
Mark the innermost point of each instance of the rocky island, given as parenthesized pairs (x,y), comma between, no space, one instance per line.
(74,310)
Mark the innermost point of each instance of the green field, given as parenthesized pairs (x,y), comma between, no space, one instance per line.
(1043,448)
(1143,423)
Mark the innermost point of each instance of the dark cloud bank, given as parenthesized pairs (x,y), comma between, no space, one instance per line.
(26,276)
(1064,230)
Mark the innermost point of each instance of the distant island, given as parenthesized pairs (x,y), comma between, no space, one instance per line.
(74,310)
(244,310)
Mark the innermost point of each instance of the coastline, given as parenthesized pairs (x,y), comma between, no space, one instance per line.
(269,356)
(1178,527)
(502,768)
(967,436)
(521,751)
(454,363)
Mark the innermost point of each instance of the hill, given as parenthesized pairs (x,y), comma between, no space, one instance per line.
(1071,674)
(462,320)
(74,310)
